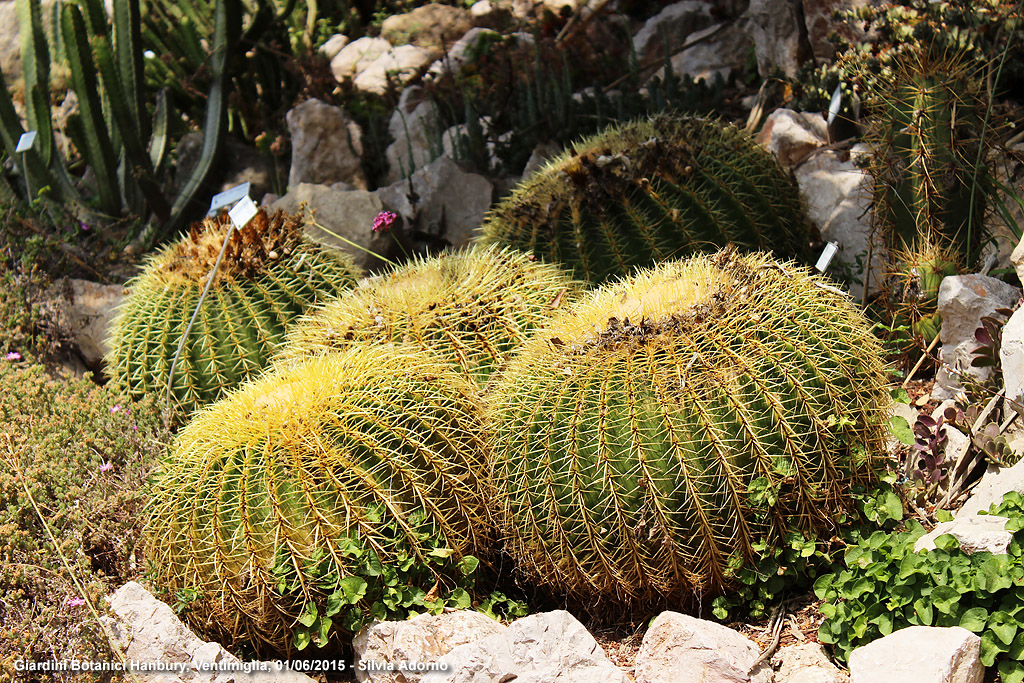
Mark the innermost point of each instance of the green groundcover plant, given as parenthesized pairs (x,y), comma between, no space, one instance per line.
(886,586)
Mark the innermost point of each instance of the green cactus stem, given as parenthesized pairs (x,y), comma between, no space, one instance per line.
(648,191)
(472,308)
(323,483)
(648,438)
(270,275)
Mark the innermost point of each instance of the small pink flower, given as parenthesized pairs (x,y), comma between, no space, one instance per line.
(135,427)
(75,602)
(116,409)
(384,221)
(106,467)
(13,355)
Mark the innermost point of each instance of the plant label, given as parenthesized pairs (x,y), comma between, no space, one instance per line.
(26,141)
(228,197)
(243,212)
(835,104)
(826,256)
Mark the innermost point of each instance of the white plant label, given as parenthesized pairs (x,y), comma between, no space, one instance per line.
(835,104)
(826,256)
(26,141)
(243,212)
(228,197)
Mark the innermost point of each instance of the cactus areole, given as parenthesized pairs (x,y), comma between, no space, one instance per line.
(645,440)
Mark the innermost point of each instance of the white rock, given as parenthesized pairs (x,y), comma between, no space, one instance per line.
(423,639)
(414,128)
(90,314)
(333,46)
(432,26)
(356,56)
(711,58)
(148,631)
(393,69)
(805,663)
(348,214)
(540,648)
(791,136)
(993,486)
(480,9)
(676,21)
(920,654)
(678,648)
(976,533)
(1011,356)
(963,301)
(327,145)
(838,199)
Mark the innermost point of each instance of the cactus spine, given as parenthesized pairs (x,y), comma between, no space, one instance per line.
(322,473)
(648,191)
(473,308)
(270,274)
(651,435)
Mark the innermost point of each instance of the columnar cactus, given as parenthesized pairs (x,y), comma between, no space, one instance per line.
(270,274)
(645,440)
(321,483)
(472,308)
(652,190)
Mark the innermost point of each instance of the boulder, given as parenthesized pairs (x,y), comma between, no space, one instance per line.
(678,648)
(472,45)
(349,215)
(821,21)
(333,46)
(920,654)
(442,203)
(393,69)
(963,301)
(552,646)
(149,632)
(780,36)
(540,155)
(715,57)
(837,195)
(1011,356)
(976,533)
(992,487)
(805,663)
(90,313)
(414,128)
(791,136)
(423,639)
(433,26)
(356,56)
(673,23)
(327,145)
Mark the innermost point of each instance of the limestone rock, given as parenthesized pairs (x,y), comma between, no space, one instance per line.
(468,46)
(1011,356)
(675,22)
(717,56)
(678,648)
(348,214)
(430,26)
(552,646)
(413,126)
(540,155)
(148,631)
(333,46)
(791,136)
(992,487)
(393,69)
(356,56)
(326,145)
(963,301)
(820,19)
(805,663)
(838,199)
(976,533)
(422,639)
(444,205)
(780,35)
(920,654)
(90,312)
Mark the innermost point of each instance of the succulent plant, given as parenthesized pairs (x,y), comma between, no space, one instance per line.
(472,308)
(270,274)
(646,440)
(648,191)
(316,486)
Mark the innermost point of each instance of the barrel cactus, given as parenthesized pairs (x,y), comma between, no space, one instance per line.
(270,274)
(319,495)
(652,190)
(473,308)
(649,437)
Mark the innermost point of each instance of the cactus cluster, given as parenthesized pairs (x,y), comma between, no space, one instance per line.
(649,437)
(652,190)
(270,274)
(472,308)
(305,486)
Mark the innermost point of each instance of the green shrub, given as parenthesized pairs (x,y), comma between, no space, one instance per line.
(887,586)
(61,433)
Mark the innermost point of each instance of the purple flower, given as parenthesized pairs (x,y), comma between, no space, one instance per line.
(84,226)
(384,221)
(13,355)
(106,467)
(75,602)
(115,409)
